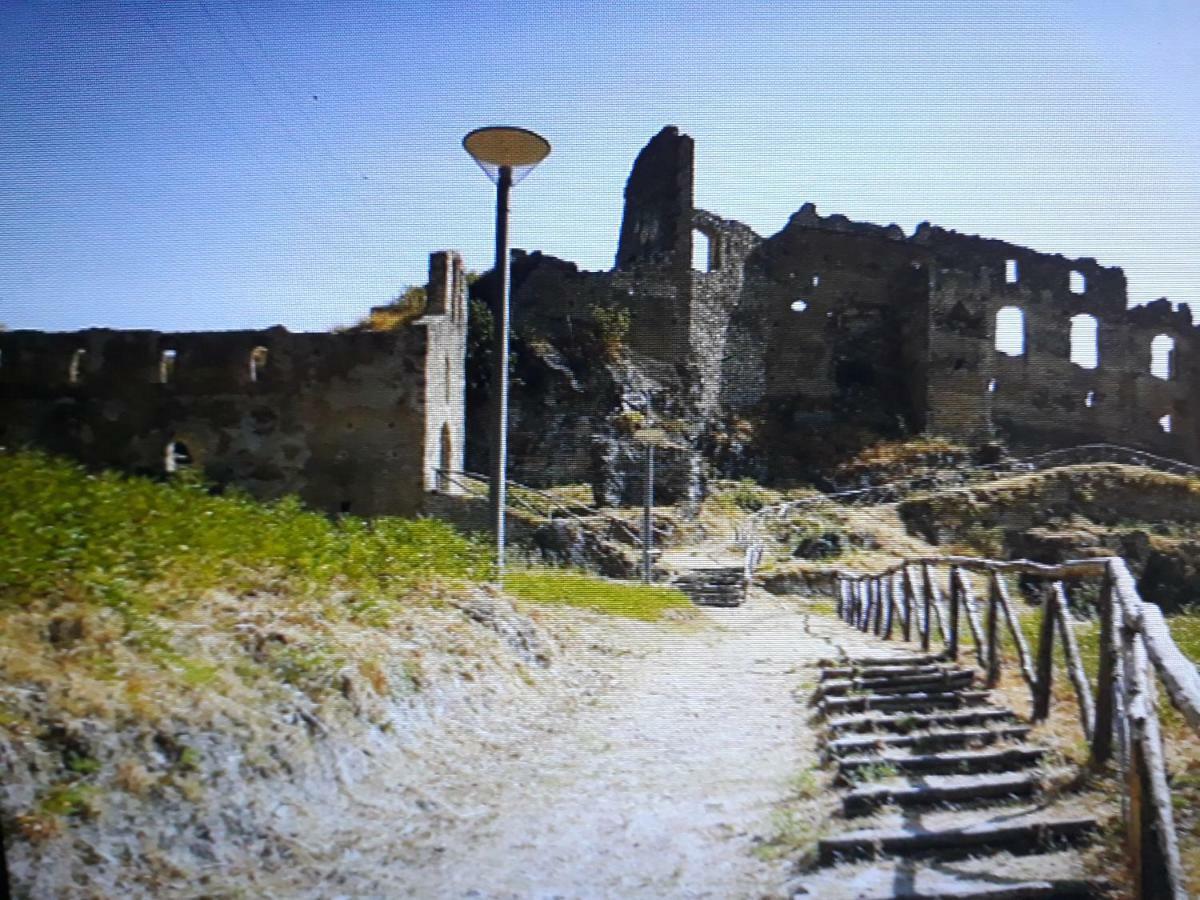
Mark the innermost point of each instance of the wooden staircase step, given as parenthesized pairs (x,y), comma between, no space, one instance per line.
(1035,831)
(963,762)
(900,659)
(905,722)
(927,740)
(883,671)
(937,789)
(916,702)
(898,684)
(1039,876)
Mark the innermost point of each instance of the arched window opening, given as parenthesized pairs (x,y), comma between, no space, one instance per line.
(1010,331)
(1085,351)
(1010,271)
(166,367)
(75,369)
(799,306)
(1162,351)
(177,457)
(1165,424)
(704,252)
(258,362)
(1090,399)
(1078,282)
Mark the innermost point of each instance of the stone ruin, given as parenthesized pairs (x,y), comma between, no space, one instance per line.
(788,351)
(778,356)
(355,422)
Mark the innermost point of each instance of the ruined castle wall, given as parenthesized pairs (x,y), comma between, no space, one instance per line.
(716,295)
(338,419)
(836,302)
(1040,396)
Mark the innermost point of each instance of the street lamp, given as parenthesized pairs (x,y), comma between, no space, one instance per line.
(506,155)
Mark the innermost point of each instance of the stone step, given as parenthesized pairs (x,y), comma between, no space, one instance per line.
(1003,876)
(957,834)
(910,722)
(960,762)
(926,740)
(898,684)
(937,789)
(917,702)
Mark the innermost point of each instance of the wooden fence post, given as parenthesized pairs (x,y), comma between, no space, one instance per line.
(1153,854)
(1045,660)
(972,615)
(1014,627)
(877,584)
(955,601)
(1083,691)
(889,582)
(927,590)
(993,628)
(906,586)
(1102,734)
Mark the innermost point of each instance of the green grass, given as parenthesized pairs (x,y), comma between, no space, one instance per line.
(634,601)
(106,538)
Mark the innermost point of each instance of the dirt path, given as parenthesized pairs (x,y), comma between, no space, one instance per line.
(661,786)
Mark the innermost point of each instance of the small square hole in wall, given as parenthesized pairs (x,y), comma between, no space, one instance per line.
(1165,424)
(992,386)
(799,306)
(816,279)
(1090,399)
(1010,271)
(1078,283)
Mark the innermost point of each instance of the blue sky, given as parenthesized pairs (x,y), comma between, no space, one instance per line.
(209,164)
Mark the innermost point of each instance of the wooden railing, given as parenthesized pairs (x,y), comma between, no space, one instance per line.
(1120,714)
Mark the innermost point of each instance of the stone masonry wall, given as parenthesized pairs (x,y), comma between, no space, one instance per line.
(339,419)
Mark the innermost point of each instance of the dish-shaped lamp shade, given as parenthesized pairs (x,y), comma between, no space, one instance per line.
(501,145)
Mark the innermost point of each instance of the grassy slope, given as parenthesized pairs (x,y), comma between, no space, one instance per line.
(128,604)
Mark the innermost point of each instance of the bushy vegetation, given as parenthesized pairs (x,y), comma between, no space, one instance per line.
(132,543)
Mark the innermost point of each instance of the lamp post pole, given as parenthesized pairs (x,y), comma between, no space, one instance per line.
(647,513)
(497,495)
(506,154)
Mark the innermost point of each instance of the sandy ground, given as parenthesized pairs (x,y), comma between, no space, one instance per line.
(659,784)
